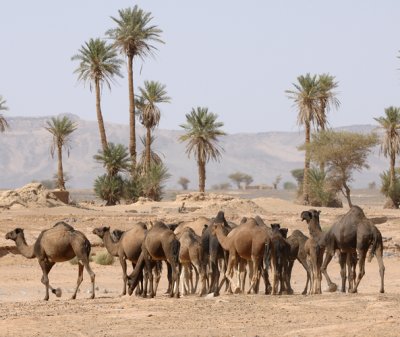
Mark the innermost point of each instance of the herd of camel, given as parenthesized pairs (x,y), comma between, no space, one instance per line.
(216,253)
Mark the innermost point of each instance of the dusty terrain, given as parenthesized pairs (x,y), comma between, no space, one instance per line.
(23,313)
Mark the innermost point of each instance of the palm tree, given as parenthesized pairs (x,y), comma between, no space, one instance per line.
(150,95)
(306,96)
(154,156)
(391,140)
(133,37)
(61,129)
(98,65)
(202,131)
(115,158)
(3,121)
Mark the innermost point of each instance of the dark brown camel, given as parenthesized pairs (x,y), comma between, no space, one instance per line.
(297,242)
(57,244)
(160,244)
(352,233)
(280,251)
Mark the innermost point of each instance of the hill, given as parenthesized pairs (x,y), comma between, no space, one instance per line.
(25,155)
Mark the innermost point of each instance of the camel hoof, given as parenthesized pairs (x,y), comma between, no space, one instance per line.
(58,292)
(177,295)
(382,291)
(46,299)
(92,297)
(352,291)
(237,290)
(332,288)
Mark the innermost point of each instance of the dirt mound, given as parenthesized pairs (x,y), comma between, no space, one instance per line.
(198,196)
(234,209)
(31,195)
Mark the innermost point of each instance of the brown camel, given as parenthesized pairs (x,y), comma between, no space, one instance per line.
(57,244)
(352,233)
(160,244)
(279,251)
(128,247)
(247,241)
(190,257)
(297,242)
(315,248)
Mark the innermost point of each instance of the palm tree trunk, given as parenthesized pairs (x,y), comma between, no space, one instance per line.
(148,150)
(322,164)
(60,173)
(202,174)
(306,200)
(392,170)
(132,118)
(100,121)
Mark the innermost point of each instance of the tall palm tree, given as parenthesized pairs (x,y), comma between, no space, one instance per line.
(152,94)
(133,37)
(306,96)
(61,129)
(3,121)
(155,158)
(390,145)
(202,131)
(98,65)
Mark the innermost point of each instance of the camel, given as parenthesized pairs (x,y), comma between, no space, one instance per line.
(197,225)
(314,248)
(128,247)
(160,244)
(354,232)
(279,251)
(297,241)
(247,241)
(190,256)
(57,244)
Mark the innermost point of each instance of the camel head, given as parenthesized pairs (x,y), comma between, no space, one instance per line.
(101,231)
(311,217)
(275,227)
(13,235)
(284,232)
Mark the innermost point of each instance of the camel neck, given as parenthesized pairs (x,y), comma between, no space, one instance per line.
(222,238)
(315,229)
(24,249)
(111,246)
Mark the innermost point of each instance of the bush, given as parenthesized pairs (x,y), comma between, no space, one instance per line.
(392,193)
(288,185)
(104,258)
(109,188)
(321,193)
(153,181)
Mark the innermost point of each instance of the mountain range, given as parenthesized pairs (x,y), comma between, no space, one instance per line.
(25,155)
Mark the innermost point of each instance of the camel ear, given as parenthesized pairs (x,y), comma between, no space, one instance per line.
(284,232)
(106,228)
(244,219)
(18,230)
(306,215)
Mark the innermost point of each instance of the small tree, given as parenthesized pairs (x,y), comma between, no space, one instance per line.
(184,182)
(247,179)
(288,185)
(237,178)
(277,181)
(3,121)
(343,153)
(61,129)
(391,188)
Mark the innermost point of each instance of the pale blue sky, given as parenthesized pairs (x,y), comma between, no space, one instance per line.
(235,57)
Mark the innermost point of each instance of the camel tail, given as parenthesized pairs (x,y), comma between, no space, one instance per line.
(267,256)
(137,273)
(376,243)
(88,247)
(176,245)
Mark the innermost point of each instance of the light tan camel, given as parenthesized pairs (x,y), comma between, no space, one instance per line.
(197,225)
(160,244)
(190,257)
(315,248)
(247,241)
(128,247)
(57,244)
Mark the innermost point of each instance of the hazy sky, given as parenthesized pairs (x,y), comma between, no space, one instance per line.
(235,57)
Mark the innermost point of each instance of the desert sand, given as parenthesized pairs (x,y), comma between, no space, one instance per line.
(24,313)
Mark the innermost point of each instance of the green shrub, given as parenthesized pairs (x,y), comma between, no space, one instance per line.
(109,188)
(288,185)
(394,192)
(321,193)
(104,258)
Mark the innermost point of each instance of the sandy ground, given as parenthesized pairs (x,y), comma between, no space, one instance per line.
(24,313)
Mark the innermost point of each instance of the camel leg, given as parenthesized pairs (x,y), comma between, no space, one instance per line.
(196,271)
(229,272)
(289,276)
(92,275)
(328,257)
(79,281)
(307,268)
(148,277)
(176,269)
(379,258)
(254,273)
(351,265)
(190,279)
(122,261)
(242,274)
(157,274)
(46,267)
(342,263)
(362,253)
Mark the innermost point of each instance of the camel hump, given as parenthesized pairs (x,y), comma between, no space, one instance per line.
(379,220)
(64,224)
